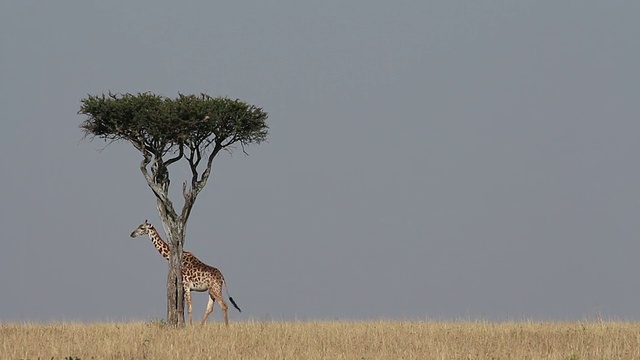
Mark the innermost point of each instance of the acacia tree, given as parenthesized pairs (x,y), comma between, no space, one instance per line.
(167,130)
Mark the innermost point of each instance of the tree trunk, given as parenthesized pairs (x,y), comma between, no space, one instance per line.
(175,291)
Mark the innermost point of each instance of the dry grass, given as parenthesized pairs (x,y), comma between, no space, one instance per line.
(323,340)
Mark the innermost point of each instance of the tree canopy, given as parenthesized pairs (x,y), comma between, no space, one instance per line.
(162,125)
(166,130)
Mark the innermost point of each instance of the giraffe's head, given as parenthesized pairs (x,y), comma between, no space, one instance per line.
(143,229)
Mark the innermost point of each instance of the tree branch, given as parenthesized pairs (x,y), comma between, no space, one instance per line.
(189,200)
(176,158)
(157,189)
(205,175)
(160,191)
(190,195)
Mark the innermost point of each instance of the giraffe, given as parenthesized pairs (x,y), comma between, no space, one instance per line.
(196,275)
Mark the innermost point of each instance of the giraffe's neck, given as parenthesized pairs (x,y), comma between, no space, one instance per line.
(163,247)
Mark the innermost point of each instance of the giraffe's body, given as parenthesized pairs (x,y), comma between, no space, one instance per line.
(196,275)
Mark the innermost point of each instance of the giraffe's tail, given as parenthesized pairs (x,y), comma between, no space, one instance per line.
(234,304)
(230,298)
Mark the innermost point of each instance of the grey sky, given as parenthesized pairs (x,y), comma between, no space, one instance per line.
(426,159)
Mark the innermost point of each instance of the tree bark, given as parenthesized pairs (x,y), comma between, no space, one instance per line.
(174,228)
(175,291)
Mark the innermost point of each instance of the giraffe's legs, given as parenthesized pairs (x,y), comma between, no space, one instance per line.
(224,308)
(187,297)
(209,309)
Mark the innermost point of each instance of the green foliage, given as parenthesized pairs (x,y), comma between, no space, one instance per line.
(161,124)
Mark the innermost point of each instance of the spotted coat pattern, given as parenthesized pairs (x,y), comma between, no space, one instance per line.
(196,275)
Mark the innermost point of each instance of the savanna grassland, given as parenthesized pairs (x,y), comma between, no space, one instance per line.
(323,340)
